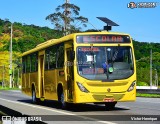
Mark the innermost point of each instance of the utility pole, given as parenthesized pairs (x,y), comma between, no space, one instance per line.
(151,69)
(18,78)
(3,76)
(156,78)
(13,83)
(10,70)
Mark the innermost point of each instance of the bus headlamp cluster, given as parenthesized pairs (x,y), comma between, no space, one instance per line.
(82,88)
(131,86)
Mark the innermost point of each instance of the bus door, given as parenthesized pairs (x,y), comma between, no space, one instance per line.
(41,74)
(69,70)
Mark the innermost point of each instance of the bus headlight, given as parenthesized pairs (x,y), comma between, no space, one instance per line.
(82,88)
(131,86)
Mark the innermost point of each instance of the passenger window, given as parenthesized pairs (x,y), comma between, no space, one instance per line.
(24,64)
(52,57)
(47,60)
(60,56)
(28,64)
(34,62)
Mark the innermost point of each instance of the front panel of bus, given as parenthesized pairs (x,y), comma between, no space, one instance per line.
(105,68)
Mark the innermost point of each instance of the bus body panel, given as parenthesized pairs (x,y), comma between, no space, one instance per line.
(99,90)
(50,83)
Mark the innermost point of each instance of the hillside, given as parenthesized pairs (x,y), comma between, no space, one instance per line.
(26,37)
(142,49)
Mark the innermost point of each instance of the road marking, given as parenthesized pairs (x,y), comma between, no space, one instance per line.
(124,107)
(66,113)
(12,94)
(150,102)
(15,91)
(37,106)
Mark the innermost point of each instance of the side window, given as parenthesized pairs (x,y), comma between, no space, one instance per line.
(36,54)
(24,64)
(47,60)
(52,57)
(28,63)
(34,62)
(60,56)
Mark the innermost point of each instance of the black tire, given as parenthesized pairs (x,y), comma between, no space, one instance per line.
(62,101)
(110,105)
(34,99)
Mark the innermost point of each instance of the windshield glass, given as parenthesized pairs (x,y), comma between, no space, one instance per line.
(101,63)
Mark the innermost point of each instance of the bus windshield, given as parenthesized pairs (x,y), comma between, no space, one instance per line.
(101,63)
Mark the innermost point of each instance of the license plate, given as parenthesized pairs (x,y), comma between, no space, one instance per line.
(108,99)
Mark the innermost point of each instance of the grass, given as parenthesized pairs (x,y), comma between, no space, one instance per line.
(148,95)
(7,88)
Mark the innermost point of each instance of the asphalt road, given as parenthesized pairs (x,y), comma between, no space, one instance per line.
(14,102)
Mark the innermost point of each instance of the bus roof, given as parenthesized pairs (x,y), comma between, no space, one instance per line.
(48,43)
(63,39)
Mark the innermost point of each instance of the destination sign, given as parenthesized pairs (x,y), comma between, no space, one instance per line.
(103,39)
(95,49)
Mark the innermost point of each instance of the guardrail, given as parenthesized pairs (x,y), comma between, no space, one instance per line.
(149,91)
(146,87)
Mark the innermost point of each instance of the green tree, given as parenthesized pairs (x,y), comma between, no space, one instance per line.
(67,19)
(143,68)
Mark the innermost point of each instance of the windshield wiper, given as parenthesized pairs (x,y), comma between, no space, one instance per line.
(115,55)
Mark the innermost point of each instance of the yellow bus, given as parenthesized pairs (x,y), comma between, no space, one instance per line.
(88,67)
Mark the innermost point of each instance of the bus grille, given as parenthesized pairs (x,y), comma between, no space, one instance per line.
(101,97)
(104,84)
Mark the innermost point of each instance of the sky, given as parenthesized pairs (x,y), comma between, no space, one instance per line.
(143,24)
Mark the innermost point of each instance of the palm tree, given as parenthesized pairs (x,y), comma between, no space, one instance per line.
(67,19)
